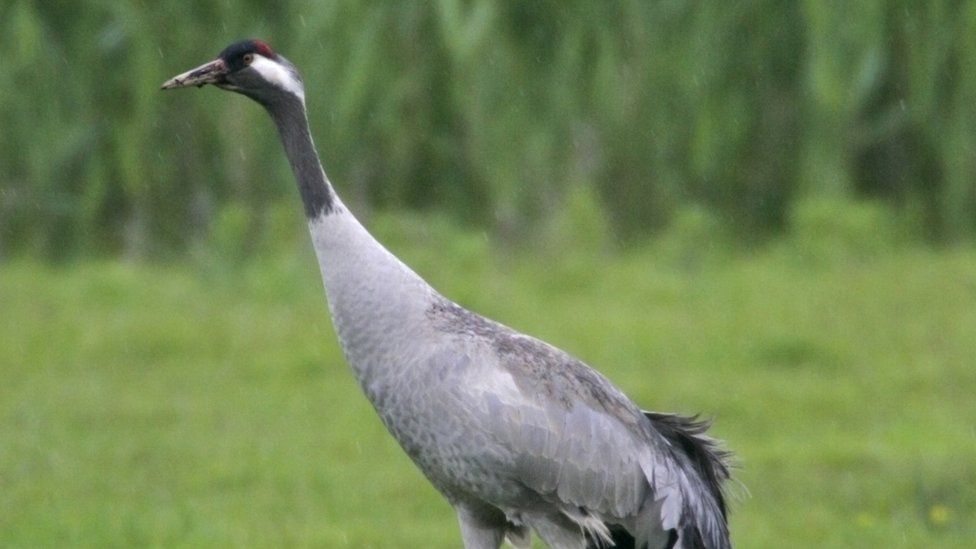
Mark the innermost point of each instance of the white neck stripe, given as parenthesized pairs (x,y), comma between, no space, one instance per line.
(278,75)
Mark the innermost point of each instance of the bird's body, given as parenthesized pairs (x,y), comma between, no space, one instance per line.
(515,433)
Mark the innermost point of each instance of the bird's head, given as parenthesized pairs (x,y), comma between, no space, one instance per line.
(249,67)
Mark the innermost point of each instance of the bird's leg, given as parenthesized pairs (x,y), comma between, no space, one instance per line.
(481,527)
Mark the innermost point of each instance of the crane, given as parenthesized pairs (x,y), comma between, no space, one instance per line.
(516,434)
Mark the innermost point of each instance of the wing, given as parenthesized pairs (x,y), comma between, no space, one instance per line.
(570,436)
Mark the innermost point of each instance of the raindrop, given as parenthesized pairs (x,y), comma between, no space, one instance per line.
(901,103)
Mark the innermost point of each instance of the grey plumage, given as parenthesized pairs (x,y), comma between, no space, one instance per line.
(579,444)
(518,435)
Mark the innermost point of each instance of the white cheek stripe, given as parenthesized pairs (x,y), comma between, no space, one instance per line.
(277,75)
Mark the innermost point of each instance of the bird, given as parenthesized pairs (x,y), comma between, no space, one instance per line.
(516,434)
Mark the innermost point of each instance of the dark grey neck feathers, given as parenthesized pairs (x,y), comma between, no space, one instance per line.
(289,116)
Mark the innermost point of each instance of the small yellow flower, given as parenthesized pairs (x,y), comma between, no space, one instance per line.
(940,514)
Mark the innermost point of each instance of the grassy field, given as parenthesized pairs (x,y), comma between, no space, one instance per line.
(204,403)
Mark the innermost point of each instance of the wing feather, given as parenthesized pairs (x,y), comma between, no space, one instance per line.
(582,451)
(572,439)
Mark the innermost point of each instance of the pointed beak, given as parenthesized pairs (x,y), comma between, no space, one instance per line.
(210,73)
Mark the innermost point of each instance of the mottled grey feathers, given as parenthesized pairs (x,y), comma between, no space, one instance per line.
(543,368)
(549,374)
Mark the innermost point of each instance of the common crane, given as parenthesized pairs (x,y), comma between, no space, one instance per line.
(517,435)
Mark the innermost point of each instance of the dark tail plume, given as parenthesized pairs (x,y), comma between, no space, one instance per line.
(710,461)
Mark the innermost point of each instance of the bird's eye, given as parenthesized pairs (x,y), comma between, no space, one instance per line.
(248,58)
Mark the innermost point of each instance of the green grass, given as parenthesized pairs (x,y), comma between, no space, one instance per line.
(203,404)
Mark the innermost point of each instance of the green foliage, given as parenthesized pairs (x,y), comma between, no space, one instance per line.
(577,224)
(826,230)
(160,405)
(490,112)
(693,238)
(441,242)
(231,232)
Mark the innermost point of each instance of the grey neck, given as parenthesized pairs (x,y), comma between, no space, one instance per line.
(291,120)
(378,304)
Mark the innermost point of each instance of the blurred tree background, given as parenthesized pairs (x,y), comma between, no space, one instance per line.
(497,114)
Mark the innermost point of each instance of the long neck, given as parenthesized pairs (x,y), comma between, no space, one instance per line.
(377,302)
(292,122)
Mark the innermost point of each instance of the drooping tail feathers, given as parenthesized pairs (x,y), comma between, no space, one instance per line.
(709,460)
